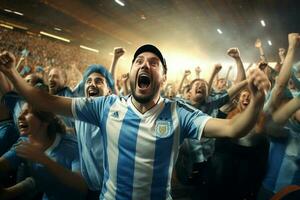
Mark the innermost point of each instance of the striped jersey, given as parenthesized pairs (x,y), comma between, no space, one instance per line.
(139,149)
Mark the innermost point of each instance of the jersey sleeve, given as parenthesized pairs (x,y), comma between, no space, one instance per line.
(192,121)
(90,110)
(11,156)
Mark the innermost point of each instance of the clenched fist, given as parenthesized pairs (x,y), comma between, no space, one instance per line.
(118,52)
(258,84)
(233,52)
(217,68)
(294,39)
(7,61)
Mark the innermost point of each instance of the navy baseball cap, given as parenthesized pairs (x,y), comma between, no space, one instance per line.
(151,48)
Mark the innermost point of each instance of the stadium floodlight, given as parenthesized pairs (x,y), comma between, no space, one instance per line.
(89,49)
(6,26)
(121,3)
(54,36)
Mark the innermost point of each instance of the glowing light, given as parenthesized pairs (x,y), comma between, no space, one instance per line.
(6,26)
(17,26)
(18,13)
(57,29)
(54,36)
(7,10)
(89,49)
(120,2)
(269,42)
(263,23)
(219,31)
(178,62)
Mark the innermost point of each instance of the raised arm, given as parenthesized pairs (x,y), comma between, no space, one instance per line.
(285,72)
(242,124)
(118,53)
(236,88)
(197,71)
(40,99)
(124,85)
(235,54)
(258,45)
(185,75)
(216,70)
(282,114)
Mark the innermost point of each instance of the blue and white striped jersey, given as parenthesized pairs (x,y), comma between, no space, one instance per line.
(139,149)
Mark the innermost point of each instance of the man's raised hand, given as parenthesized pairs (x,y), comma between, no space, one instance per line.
(7,61)
(233,52)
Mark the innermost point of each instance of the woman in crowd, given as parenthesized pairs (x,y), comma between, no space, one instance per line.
(51,155)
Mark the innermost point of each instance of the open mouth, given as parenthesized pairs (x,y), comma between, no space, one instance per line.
(52,85)
(245,103)
(23,126)
(144,81)
(92,92)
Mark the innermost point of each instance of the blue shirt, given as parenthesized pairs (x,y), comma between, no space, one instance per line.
(284,159)
(90,144)
(64,151)
(8,135)
(139,149)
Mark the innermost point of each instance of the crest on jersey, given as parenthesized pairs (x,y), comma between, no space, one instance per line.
(162,129)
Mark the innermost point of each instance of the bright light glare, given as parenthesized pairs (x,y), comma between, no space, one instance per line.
(269,42)
(89,49)
(54,36)
(120,2)
(6,26)
(179,62)
(263,23)
(18,13)
(219,31)
(7,10)
(57,29)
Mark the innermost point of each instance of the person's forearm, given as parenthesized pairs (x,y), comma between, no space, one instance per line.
(38,98)
(241,75)
(181,84)
(5,84)
(262,55)
(20,188)
(281,115)
(67,177)
(112,69)
(283,78)
(281,59)
(285,72)
(227,75)
(211,80)
(125,88)
(235,89)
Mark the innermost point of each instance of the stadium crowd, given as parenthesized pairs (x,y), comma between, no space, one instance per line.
(140,137)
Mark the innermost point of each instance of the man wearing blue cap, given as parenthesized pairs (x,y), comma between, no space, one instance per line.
(142,133)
